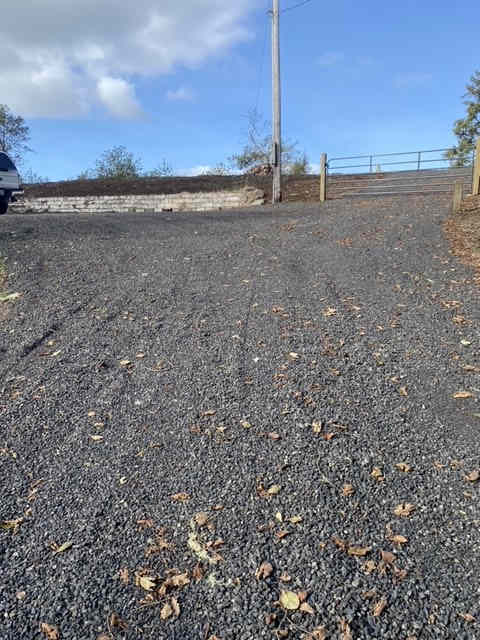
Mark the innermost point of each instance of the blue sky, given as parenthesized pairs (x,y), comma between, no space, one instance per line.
(368,77)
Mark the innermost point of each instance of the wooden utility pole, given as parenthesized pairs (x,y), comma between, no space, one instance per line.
(476,170)
(276,96)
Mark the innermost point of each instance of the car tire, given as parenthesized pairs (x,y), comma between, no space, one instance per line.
(3,206)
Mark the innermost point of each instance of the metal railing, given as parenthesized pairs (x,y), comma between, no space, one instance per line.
(419,159)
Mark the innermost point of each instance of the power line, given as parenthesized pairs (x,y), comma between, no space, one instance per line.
(296,6)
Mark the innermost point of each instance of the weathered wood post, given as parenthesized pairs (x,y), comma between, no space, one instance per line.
(457,196)
(323,177)
(476,171)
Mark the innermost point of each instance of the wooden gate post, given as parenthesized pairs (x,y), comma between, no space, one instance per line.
(476,171)
(457,196)
(323,177)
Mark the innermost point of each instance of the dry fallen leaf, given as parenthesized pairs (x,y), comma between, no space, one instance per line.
(179,580)
(378,607)
(285,577)
(166,611)
(289,600)
(175,607)
(124,577)
(345,629)
(145,582)
(377,474)
(209,412)
(201,518)
(282,534)
(338,542)
(96,437)
(61,548)
(117,623)
(398,539)
(467,617)
(474,476)
(368,595)
(404,509)
(347,490)
(329,311)
(295,519)
(274,489)
(180,497)
(50,632)
(293,355)
(125,363)
(369,567)
(245,424)
(320,633)
(403,466)
(403,391)
(358,551)
(264,571)
(306,608)
(317,426)
(388,557)
(463,394)
(11,525)
(273,435)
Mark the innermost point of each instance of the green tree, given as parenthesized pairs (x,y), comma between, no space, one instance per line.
(467,129)
(257,149)
(14,134)
(117,163)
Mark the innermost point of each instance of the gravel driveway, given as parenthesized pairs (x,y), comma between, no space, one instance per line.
(239,425)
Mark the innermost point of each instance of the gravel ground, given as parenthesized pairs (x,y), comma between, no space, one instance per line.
(184,397)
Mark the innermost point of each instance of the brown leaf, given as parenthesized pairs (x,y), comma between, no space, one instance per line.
(166,611)
(295,519)
(467,617)
(245,424)
(270,618)
(341,544)
(404,509)
(317,426)
(368,595)
(462,394)
(175,607)
(306,608)
(348,490)
(145,523)
(345,629)
(377,474)
(388,557)
(197,573)
(369,566)
(302,595)
(12,525)
(403,466)
(179,580)
(209,412)
(358,551)
(264,571)
(273,490)
(117,623)
(398,539)
(145,582)
(201,518)
(328,436)
(319,633)
(273,435)
(378,607)
(61,548)
(285,577)
(180,497)
(49,631)
(124,577)
(403,391)
(474,476)
(283,533)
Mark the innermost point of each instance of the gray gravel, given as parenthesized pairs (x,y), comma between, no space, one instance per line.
(216,303)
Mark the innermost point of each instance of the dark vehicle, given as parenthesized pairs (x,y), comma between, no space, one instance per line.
(9,181)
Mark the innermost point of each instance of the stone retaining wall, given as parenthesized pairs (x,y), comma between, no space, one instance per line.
(206,201)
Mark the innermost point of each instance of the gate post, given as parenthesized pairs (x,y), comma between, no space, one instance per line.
(457,196)
(323,177)
(476,171)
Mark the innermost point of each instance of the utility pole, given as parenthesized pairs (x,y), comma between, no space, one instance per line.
(276,96)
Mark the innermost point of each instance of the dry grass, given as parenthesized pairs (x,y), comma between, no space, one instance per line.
(463,232)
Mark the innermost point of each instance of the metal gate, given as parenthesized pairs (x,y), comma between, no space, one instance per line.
(393,174)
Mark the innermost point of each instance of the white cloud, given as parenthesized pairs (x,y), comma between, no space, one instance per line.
(61,57)
(180,94)
(119,97)
(331,58)
(412,80)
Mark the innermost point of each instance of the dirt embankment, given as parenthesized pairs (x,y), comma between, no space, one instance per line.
(463,231)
